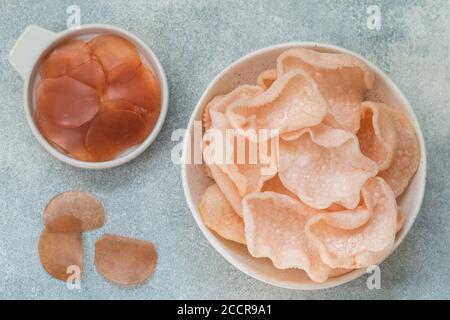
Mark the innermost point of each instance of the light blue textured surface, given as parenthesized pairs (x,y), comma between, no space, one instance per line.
(195,40)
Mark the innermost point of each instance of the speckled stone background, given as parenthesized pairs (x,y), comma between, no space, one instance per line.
(195,40)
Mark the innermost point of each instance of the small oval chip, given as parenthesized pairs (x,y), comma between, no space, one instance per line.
(274,228)
(142,90)
(266,78)
(219,215)
(90,73)
(149,117)
(121,104)
(123,260)
(67,102)
(293,102)
(64,58)
(407,155)
(69,140)
(59,251)
(377,135)
(119,57)
(323,166)
(113,131)
(80,205)
(64,223)
(342,80)
(346,241)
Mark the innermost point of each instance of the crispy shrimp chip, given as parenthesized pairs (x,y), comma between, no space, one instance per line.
(227,187)
(275,185)
(214,113)
(346,241)
(124,260)
(377,135)
(274,228)
(218,215)
(266,78)
(142,90)
(246,162)
(400,220)
(342,79)
(67,102)
(64,58)
(322,166)
(334,273)
(90,73)
(407,155)
(82,206)
(292,102)
(113,131)
(206,118)
(60,250)
(119,57)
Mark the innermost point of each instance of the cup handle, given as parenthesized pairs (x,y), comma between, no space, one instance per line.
(28,48)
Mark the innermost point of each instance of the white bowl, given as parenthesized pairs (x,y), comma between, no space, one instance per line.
(195,181)
(35,43)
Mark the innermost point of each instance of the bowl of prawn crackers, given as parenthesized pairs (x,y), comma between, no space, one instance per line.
(304,165)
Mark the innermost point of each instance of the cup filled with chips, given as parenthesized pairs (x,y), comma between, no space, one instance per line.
(304,165)
(95,97)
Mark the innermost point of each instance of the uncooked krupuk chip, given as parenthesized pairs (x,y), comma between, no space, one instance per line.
(125,260)
(90,73)
(119,57)
(69,140)
(219,215)
(346,242)
(67,102)
(64,223)
(407,155)
(322,166)
(59,251)
(142,90)
(274,225)
(114,131)
(64,58)
(342,80)
(81,205)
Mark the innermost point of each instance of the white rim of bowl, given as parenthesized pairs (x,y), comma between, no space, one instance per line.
(132,154)
(331,282)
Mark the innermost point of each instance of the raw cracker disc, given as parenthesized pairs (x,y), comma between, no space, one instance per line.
(124,260)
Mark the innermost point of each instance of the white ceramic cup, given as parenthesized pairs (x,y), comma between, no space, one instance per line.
(195,180)
(35,43)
